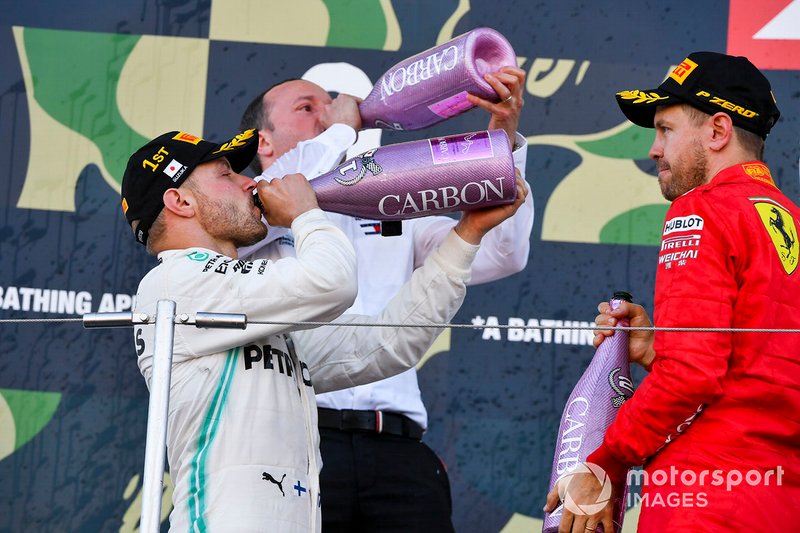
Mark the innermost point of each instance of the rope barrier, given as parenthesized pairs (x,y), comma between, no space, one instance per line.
(37,320)
(183,322)
(508,326)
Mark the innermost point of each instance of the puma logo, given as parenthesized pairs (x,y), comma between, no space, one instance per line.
(268,477)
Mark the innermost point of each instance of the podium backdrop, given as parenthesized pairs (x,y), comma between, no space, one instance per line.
(84,83)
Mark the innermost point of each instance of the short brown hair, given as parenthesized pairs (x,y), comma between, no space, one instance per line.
(751,142)
(256,115)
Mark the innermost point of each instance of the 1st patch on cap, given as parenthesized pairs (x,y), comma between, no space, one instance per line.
(683,70)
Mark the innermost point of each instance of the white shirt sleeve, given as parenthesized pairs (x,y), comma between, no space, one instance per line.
(313,157)
(319,284)
(504,250)
(433,295)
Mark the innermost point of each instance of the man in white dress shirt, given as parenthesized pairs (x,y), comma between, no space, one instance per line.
(378,474)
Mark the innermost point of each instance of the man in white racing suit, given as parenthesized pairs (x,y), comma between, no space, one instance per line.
(242,428)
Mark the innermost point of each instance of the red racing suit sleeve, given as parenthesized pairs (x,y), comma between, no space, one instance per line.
(696,286)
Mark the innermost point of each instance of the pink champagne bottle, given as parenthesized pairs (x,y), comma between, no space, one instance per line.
(432,86)
(591,408)
(421,178)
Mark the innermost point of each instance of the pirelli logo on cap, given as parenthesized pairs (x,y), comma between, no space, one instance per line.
(124,206)
(187,138)
(683,70)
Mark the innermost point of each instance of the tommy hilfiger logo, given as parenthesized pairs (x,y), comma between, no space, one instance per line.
(371,228)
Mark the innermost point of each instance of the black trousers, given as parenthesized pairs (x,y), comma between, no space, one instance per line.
(382,483)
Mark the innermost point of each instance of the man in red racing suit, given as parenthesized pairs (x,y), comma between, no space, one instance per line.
(717,421)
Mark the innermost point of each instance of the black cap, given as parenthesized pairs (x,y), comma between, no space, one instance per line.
(166,162)
(710,82)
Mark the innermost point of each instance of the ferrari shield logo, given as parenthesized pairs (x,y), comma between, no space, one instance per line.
(781,228)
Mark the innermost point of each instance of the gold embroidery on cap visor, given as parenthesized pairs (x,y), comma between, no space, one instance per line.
(641,97)
(237,142)
(782,230)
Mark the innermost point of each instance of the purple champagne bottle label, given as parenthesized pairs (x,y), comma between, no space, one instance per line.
(452,106)
(421,178)
(454,148)
(432,86)
(591,408)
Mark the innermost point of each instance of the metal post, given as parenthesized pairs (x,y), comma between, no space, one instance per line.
(157,413)
(158,409)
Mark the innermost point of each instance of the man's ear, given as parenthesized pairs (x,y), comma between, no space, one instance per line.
(265,147)
(721,131)
(181,202)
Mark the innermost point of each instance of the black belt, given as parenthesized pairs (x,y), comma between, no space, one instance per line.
(371,421)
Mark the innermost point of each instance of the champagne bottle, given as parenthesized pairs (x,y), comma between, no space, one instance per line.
(432,86)
(591,408)
(421,178)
